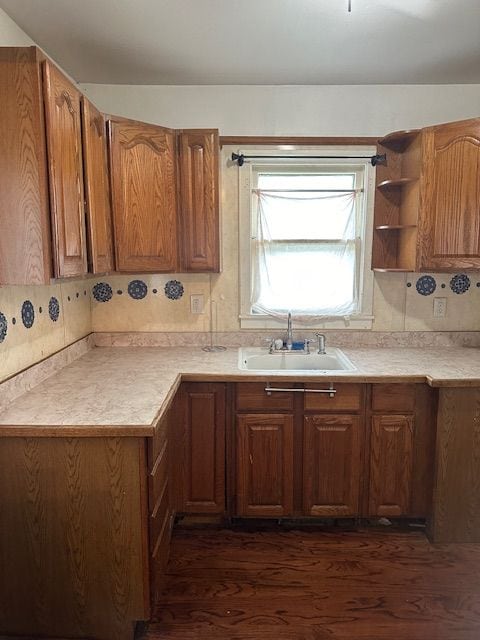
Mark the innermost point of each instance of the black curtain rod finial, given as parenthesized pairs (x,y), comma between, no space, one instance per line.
(239,159)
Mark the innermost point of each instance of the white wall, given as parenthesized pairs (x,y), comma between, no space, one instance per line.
(359,110)
(10,33)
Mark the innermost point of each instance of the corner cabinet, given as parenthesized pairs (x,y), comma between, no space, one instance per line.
(428,198)
(144,199)
(46,174)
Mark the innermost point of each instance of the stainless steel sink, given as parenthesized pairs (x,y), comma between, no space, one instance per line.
(259,359)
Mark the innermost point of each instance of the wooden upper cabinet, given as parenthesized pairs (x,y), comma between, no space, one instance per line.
(64,145)
(25,253)
(450,224)
(427,201)
(143,180)
(97,196)
(199,199)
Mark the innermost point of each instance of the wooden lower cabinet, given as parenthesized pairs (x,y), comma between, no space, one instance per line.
(332,465)
(391,465)
(73,537)
(264,465)
(198,449)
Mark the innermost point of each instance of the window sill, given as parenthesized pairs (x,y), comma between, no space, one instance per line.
(258,321)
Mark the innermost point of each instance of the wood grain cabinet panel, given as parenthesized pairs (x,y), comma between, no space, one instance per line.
(427,199)
(391,464)
(450,229)
(73,539)
(200,449)
(97,192)
(143,180)
(332,454)
(64,145)
(25,252)
(264,470)
(199,199)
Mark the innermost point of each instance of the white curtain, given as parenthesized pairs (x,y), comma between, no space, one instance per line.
(304,255)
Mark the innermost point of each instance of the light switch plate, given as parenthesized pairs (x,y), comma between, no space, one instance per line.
(197,303)
(439,307)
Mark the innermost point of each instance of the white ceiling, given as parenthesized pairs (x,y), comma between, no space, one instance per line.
(257,41)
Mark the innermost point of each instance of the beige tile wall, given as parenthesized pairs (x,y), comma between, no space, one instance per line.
(23,347)
(397,307)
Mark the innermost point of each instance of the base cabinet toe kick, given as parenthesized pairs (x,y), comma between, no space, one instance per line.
(86,521)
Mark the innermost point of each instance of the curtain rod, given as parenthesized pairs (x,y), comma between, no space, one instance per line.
(376,159)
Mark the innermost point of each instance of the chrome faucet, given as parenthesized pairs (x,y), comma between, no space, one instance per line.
(321,343)
(289,341)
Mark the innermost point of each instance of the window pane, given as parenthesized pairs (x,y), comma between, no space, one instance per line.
(306,181)
(310,278)
(307,216)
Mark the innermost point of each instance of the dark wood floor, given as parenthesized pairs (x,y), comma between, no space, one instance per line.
(311,585)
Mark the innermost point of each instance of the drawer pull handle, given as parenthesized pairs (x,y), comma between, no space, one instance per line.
(331,391)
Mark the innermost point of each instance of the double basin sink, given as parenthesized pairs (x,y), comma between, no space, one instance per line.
(259,359)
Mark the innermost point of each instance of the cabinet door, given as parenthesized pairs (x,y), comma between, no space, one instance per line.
(64,144)
(142,166)
(199,206)
(332,446)
(97,195)
(203,448)
(264,473)
(450,224)
(24,207)
(391,463)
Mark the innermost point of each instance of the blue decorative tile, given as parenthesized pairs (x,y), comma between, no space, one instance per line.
(137,289)
(28,314)
(174,289)
(460,283)
(102,292)
(53,309)
(426,285)
(3,327)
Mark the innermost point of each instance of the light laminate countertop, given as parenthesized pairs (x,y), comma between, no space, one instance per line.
(125,390)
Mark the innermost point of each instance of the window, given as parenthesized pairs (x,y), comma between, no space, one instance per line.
(304,239)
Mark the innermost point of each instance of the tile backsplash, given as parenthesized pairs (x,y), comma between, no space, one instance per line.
(37,321)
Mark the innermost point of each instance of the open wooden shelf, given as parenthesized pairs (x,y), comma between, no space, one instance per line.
(395,184)
(399,140)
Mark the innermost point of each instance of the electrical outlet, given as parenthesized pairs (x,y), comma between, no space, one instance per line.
(197,303)
(439,307)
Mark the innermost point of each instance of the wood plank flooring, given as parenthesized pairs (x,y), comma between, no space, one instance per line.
(315,585)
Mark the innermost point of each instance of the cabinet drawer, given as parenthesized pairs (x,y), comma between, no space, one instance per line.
(159,560)
(347,397)
(157,443)
(158,477)
(252,396)
(158,516)
(393,397)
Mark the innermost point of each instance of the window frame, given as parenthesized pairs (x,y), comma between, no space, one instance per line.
(246,176)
